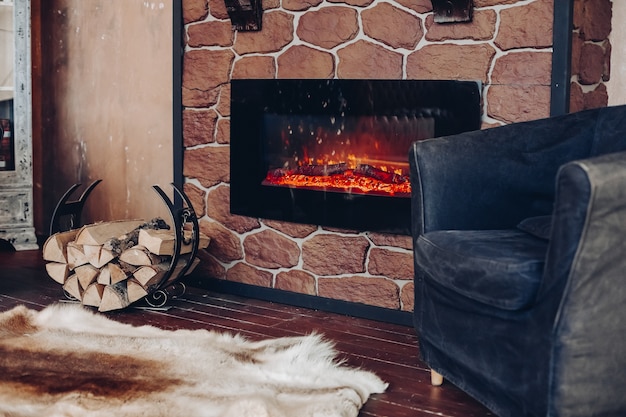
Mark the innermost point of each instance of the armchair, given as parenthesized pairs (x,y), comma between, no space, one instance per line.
(519,239)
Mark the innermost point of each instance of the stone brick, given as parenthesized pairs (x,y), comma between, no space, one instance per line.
(292,229)
(210,266)
(247,274)
(225,245)
(366,60)
(329,254)
(206,69)
(300,5)
(578,16)
(576,98)
(596,19)
(487,3)
(526,26)
(269,249)
(218,209)
(577,46)
(340,230)
(390,264)
(450,62)
(378,20)
(210,165)
(596,98)
(217,8)
(380,292)
(197,196)
(222,135)
(195,10)
(215,33)
(481,28)
(384,239)
(276,34)
(271,4)
(329,26)
(295,281)
(199,98)
(419,6)
(358,3)
(300,61)
(198,127)
(258,67)
(528,68)
(223,103)
(407,296)
(591,66)
(518,103)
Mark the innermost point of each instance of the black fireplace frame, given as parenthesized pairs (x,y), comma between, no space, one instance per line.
(455,107)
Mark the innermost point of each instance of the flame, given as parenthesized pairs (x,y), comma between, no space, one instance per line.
(347,181)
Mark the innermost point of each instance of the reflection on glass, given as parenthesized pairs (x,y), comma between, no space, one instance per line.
(6,85)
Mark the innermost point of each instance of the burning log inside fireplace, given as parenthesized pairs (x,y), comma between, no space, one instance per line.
(362,179)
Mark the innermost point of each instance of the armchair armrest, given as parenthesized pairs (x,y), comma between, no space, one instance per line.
(588,348)
(492,179)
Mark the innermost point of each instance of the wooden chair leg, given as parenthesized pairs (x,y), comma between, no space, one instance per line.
(436,378)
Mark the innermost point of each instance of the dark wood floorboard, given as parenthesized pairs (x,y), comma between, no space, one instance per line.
(389,350)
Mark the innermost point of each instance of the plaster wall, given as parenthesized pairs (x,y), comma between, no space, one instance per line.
(106,105)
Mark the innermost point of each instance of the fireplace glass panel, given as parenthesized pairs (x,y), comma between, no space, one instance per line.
(335,152)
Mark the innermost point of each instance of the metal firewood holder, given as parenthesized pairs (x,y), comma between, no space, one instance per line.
(182,214)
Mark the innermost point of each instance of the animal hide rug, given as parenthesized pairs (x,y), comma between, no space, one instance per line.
(68,361)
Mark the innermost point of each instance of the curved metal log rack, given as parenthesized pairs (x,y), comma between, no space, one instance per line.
(169,287)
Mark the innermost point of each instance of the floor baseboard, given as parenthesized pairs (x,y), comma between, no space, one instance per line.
(347,308)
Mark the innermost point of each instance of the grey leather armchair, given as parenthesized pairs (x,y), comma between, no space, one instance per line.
(519,237)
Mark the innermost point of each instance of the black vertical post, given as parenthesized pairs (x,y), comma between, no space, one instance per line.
(177,96)
(561,56)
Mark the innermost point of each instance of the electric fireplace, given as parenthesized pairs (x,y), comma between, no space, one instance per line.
(335,152)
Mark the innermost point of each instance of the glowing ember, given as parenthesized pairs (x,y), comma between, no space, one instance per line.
(363,179)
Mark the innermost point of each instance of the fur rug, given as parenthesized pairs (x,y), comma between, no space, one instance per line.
(67,361)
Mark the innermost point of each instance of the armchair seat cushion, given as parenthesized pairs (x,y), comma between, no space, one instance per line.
(501,268)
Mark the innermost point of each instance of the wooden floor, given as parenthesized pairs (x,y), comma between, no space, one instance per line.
(389,350)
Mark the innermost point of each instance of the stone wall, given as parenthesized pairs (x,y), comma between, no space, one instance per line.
(507,47)
(591,54)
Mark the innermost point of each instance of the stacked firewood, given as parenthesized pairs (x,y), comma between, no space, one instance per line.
(110,265)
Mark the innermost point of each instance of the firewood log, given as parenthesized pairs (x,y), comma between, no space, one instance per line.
(161,241)
(58,271)
(75,255)
(114,297)
(72,287)
(54,249)
(97,255)
(149,276)
(119,272)
(104,278)
(99,233)
(140,256)
(178,269)
(135,291)
(86,275)
(92,296)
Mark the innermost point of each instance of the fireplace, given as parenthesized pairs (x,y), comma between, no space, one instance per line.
(335,152)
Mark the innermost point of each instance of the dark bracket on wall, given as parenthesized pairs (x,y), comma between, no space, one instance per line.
(451,11)
(245,15)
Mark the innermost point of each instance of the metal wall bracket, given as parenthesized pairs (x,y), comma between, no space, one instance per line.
(245,15)
(450,11)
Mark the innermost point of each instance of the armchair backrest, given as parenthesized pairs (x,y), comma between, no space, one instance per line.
(610,132)
(517,163)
